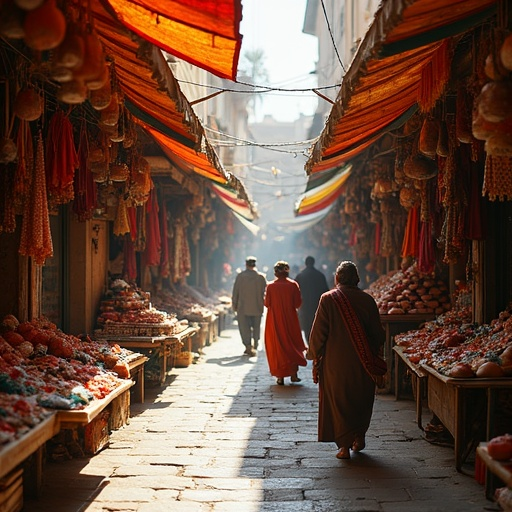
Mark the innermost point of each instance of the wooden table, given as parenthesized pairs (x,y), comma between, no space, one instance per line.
(397,324)
(14,453)
(81,417)
(419,378)
(501,470)
(466,407)
(136,364)
(163,345)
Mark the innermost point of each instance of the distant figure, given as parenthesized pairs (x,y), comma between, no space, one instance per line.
(284,345)
(247,302)
(312,284)
(346,340)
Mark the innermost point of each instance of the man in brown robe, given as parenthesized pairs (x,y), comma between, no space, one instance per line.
(346,390)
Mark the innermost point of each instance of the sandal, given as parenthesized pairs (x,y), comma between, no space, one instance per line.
(359,444)
(280,381)
(343,453)
(294,378)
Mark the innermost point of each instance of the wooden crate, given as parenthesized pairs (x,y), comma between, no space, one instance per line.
(119,411)
(96,433)
(11,491)
(442,400)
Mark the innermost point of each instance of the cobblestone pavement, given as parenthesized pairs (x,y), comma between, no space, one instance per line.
(223,437)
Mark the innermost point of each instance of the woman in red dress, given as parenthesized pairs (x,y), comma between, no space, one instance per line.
(284,344)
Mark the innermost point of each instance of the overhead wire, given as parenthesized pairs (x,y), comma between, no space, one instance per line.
(332,36)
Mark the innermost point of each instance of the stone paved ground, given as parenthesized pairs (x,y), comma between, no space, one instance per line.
(223,437)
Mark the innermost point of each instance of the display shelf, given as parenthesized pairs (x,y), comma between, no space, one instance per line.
(419,379)
(164,346)
(72,419)
(14,453)
(466,407)
(397,324)
(495,470)
(136,367)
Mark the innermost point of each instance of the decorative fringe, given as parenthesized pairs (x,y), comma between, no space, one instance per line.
(498,178)
(434,77)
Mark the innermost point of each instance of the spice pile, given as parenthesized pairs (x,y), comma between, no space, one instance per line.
(42,368)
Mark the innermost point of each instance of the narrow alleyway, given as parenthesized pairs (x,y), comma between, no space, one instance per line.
(223,437)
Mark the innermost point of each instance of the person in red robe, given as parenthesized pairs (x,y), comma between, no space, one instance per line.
(284,345)
(337,347)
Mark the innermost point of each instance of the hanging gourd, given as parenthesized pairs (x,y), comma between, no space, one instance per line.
(429,135)
(11,21)
(442,148)
(506,53)
(495,101)
(28,105)
(73,92)
(71,52)
(28,5)
(110,115)
(45,27)
(94,59)
(100,98)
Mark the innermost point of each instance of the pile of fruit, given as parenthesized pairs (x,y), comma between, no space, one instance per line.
(457,348)
(127,304)
(410,292)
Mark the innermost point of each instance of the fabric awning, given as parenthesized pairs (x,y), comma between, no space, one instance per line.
(322,191)
(402,63)
(241,206)
(299,224)
(152,95)
(205,33)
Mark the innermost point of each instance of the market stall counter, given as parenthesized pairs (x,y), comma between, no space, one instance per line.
(495,471)
(466,408)
(397,324)
(13,454)
(164,348)
(418,378)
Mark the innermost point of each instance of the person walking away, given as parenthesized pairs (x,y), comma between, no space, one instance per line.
(284,345)
(346,339)
(312,283)
(247,302)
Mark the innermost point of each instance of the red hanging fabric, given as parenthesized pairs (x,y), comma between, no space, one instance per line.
(426,256)
(164,257)
(153,240)
(85,197)
(377,238)
(410,243)
(129,260)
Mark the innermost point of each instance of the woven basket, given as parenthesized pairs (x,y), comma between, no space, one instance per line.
(183,359)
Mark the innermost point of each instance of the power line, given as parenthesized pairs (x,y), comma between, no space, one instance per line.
(332,37)
(266,88)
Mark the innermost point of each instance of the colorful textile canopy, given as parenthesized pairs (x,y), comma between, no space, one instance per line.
(204,33)
(299,224)
(228,196)
(402,63)
(322,190)
(150,90)
(152,95)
